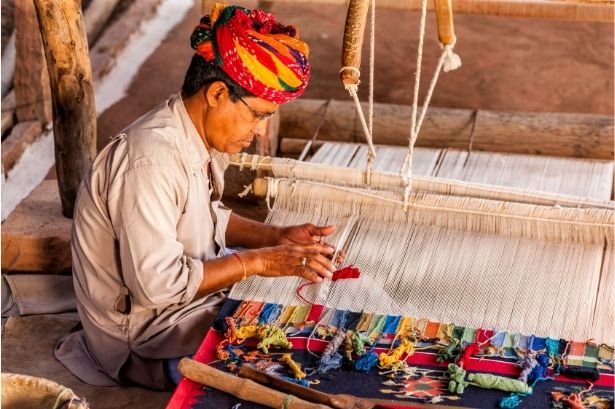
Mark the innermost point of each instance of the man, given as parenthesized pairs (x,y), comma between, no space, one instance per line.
(150,231)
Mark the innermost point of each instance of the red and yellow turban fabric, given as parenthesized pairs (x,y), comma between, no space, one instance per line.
(254,50)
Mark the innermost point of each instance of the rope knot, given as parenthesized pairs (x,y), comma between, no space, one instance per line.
(452,61)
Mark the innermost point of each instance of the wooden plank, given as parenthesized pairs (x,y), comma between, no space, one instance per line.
(31,80)
(575,135)
(8,120)
(95,17)
(74,113)
(22,135)
(555,134)
(573,10)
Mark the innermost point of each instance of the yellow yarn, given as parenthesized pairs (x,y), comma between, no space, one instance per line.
(294,366)
(388,359)
(245,332)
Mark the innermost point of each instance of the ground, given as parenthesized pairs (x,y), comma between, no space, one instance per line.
(508,64)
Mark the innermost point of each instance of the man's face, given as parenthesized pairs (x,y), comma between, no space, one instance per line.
(237,123)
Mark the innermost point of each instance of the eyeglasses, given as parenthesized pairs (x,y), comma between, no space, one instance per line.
(260,116)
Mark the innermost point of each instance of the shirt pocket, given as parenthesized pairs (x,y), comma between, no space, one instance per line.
(223,214)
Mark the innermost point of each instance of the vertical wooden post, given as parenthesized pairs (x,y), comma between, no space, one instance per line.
(72,89)
(31,81)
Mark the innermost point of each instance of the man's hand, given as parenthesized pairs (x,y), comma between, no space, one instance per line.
(307,234)
(309,261)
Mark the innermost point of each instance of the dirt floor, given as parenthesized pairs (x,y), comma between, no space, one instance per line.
(508,64)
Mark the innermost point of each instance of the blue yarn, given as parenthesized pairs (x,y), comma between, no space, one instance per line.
(540,370)
(329,362)
(552,346)
(303,382)
(269,313)
(367,362)
(510,402)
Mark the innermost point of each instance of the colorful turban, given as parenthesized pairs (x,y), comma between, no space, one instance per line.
(254,50)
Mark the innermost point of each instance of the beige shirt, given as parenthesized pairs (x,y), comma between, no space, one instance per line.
(146,217)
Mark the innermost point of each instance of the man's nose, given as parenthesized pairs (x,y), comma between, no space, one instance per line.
(260,128)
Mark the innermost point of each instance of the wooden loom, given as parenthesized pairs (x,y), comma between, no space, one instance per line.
(532,255)
(519,258)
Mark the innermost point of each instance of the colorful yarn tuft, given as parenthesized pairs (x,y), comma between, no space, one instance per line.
(272,336)
(331,359)
(294,366)
(468,351)
(388,359)
(367,362)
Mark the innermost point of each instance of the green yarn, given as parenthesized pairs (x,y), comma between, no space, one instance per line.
(457,384)
(273,337)
(451,352)
(501,383)
(456,374)
(359,341)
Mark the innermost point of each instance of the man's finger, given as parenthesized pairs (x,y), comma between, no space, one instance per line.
(321,265)
(321,230)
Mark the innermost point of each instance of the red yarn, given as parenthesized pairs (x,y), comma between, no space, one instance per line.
(346,272)
(469,350)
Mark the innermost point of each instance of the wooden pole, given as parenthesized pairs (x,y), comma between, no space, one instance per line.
(72,89)
(31,80)
(353,41)
(240,387)
(554,134)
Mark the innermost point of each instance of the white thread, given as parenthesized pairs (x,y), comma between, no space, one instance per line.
(246,190)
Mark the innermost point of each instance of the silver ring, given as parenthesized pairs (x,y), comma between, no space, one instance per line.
(303,262)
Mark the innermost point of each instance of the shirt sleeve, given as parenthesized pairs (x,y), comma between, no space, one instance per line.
(155,268)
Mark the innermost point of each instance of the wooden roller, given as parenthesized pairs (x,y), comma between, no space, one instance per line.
(354,32)
(444,17)
(353,41)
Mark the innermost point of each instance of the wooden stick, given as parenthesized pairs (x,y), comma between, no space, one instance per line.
(70,74)
(353,41)
(444,18)
(241,388)
(336,401)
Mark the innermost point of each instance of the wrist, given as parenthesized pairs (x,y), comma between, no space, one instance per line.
(276,234)
(254,262)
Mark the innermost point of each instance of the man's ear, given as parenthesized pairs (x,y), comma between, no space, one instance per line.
(216,93)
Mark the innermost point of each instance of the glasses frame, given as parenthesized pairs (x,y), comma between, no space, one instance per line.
(258,115)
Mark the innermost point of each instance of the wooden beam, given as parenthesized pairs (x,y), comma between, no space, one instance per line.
(555,134)
(22,135)
(573,10)
(95,17)
(31,81)
(70,73)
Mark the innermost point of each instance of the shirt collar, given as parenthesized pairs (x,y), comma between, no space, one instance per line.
(198,154)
